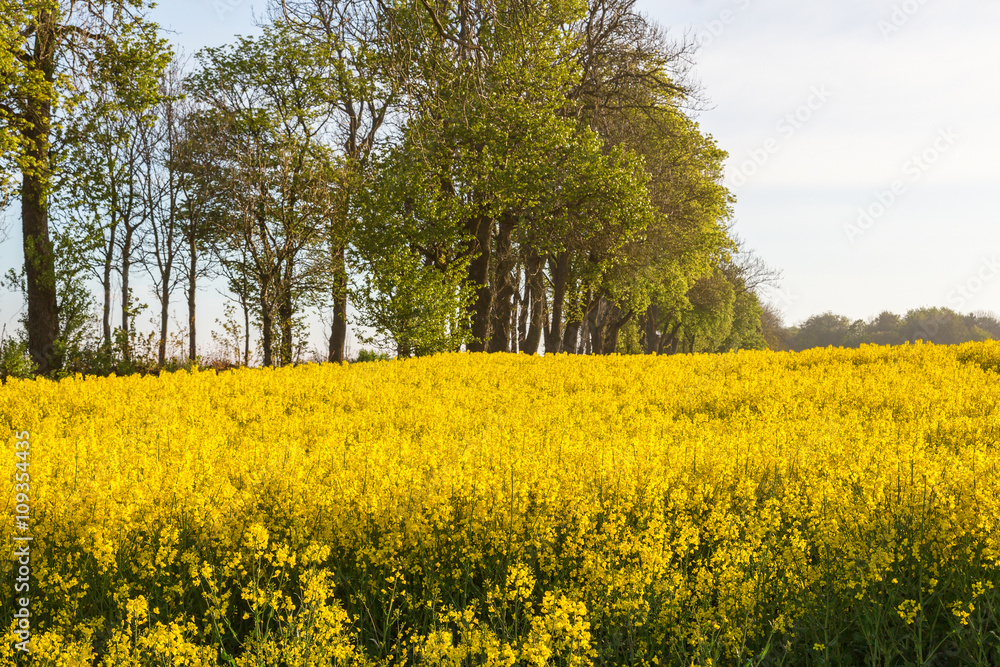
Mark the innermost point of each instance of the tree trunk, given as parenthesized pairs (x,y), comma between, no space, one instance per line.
(164,316)
(265,321)
(571,342)
(245,303)
(39,257)
(614,327)
(570,337)
(166,249)
(285,313)
(40,275)
(535,287)
(338,329)
(265,274)
(503,290)
(668,342)
(560,275)
(109,257)
(652,341)
(523,310)
(481,228)
(674,339)
(517,323)
(106,286)
(192,284)
(126,272)
(594,330)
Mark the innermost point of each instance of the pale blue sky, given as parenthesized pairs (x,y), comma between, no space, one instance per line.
(881,93)
(862,137)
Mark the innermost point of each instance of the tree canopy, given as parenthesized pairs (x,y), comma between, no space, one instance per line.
(498,176)
(54,55)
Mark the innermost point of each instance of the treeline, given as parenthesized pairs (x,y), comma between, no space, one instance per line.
(941,326)
(489,175)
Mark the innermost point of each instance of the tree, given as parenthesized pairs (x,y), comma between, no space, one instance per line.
(885,329)
(501,179)
(268,99)
(631,82)
(163,183)
(941,326)
(691,239)
(773,330)
(825,330)
(198,158)
(359,44)
(749,275)
(411,259)
(709,317)
(104,200)
(52,52)
(983,325)
(632,92)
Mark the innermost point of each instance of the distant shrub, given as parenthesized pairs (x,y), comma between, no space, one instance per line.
(15,360)
(372,355)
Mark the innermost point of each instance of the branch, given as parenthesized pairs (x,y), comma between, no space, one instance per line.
(434,17)
(85,33)
(444,34)
(623,321)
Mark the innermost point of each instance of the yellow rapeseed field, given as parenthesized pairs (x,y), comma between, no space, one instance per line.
(827,507)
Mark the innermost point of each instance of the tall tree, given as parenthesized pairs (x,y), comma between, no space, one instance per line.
(198,157)
(268,97)
(104,197)
(493,163)
(53,50)
(163,187)
(361,47)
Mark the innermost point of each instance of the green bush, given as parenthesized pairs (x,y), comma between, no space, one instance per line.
(372,355)
(14,359)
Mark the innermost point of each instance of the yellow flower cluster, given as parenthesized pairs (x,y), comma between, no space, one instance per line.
(511,510)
